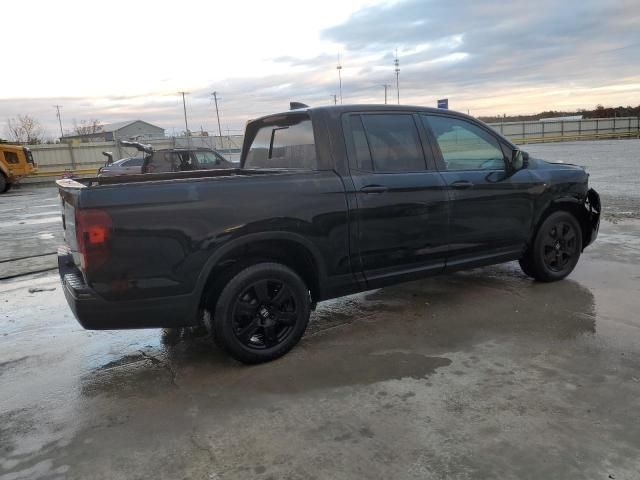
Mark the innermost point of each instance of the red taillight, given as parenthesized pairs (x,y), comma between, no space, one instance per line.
(93,232)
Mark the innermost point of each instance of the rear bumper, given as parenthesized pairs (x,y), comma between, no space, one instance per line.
(96,313)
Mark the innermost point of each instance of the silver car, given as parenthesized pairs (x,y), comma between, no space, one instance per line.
(124,166)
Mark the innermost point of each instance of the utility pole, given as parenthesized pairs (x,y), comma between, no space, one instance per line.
(386,86)
(57,107)
(184,107)
(396,62)
(215,99)
(339,68)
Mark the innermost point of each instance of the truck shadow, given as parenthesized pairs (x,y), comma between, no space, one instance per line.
(404,331)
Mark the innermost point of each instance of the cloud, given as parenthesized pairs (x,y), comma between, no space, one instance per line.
(490,57)
(515,43)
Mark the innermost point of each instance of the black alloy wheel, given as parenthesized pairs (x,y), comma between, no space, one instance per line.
(555,249)
(559,246)
(264,314)
(261,313)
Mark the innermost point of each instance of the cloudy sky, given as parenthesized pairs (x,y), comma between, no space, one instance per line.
(122,60)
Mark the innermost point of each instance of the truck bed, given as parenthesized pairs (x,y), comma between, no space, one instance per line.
(156,177)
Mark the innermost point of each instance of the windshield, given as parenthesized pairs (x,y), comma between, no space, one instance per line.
(28,155)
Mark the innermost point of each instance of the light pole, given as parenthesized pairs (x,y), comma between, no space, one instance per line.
(57,107)
(339,68)
(184,107)
(396,62)
(386,86)
(186,125)
(215,99)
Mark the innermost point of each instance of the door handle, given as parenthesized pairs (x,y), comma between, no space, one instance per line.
(374,189)
(462,184)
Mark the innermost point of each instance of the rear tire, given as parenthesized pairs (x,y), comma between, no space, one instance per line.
(555,250)
(261,313)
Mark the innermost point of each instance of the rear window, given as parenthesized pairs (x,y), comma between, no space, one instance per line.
(288,143)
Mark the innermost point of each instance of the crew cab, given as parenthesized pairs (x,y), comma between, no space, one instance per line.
(327,201)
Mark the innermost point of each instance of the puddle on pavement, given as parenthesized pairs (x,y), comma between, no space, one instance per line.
(403,331)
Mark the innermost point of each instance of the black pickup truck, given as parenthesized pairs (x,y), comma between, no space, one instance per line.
(327,201)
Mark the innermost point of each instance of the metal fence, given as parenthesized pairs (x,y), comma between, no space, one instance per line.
(87,157)
(567,130)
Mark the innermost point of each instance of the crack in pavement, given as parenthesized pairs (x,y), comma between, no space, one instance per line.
(201,447)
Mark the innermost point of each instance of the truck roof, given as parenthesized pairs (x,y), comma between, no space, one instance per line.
(339,109)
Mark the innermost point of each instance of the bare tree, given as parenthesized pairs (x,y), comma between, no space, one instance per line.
(87,127)
(25,129)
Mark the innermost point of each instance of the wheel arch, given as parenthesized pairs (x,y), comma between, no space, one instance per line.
(572,205)
(289,249)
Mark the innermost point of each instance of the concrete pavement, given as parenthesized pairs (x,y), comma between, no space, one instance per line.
(480,374)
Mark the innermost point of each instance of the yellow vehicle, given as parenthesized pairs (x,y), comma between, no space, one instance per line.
(16,162)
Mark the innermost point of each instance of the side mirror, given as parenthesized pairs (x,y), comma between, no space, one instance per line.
(519,160)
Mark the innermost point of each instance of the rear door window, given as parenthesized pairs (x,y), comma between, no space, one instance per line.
(386,143)
(361,152)
(289,143)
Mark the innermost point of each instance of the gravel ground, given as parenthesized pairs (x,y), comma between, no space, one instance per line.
(614,168)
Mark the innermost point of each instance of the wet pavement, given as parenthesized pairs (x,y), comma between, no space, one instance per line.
(31,227)
(613,166)
(479,374)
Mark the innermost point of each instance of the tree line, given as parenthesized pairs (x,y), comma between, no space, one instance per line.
(598,112)
(27,130)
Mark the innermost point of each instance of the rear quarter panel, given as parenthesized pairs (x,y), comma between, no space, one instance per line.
(165,233)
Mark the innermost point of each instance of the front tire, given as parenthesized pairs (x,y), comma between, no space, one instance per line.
(555,250)
(5,185)
(261,313)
